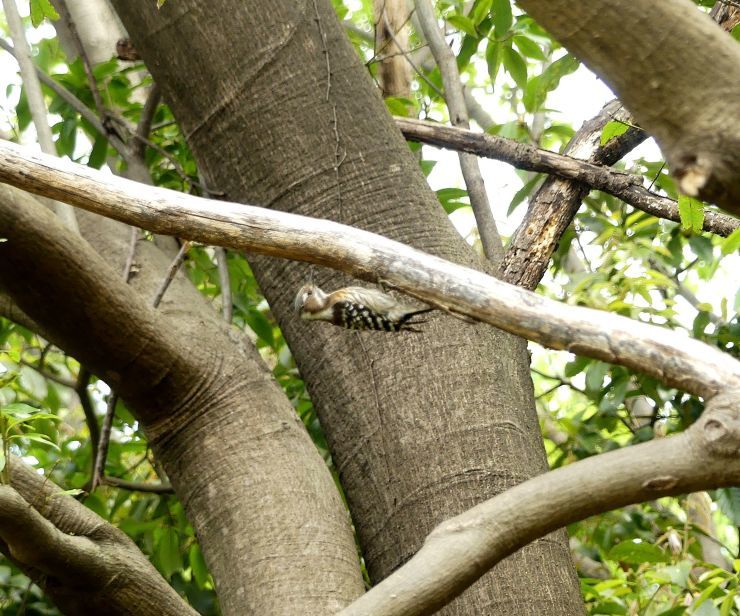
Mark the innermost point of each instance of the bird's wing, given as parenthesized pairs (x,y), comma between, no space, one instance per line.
(380,301)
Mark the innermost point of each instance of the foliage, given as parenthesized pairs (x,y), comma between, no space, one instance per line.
(612,258)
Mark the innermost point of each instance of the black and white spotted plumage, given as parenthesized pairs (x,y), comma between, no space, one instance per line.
(357,308)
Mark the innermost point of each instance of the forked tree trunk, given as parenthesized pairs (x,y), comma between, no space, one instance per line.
(422,426)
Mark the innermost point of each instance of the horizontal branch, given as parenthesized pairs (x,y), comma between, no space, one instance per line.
(671,357)
(625,186)
(136,486)
(460,550)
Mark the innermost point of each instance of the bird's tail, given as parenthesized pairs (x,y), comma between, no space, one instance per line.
(406,321)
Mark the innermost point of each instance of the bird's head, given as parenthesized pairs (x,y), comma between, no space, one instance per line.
(309,300)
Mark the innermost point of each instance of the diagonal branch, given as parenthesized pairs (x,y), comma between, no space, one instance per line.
(625,186)
(675,360)
(35,98)
(663,81)
(460,550)
(455,99)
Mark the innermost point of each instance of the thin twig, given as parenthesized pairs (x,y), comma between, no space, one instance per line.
(176,165)
(83,380)
(49,375)
(128,266)
(35,99)
(104,441)
(171,271)
(63,9)
(455,98)
(227,307)
(135,486)
(144,127)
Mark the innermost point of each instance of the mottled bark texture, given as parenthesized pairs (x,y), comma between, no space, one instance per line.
(271,525)
(421,426)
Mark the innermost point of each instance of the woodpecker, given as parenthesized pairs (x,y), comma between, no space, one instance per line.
(357,308)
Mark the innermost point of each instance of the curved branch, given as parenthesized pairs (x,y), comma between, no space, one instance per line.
(673,359)
(83,563)
(624,186)
(460,550)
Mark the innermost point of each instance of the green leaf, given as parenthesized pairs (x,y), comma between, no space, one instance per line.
(691,212)
(480,11)
(198,565)
(701,605)
(731,243)
(637,553)
(493,59)
(528,47)
(39,438)
(399,105)
(98,153)
(502,17)
(727,603)
(450,198)
(539,86)
(595,376)
(516,66)
(19,409)
(463,23)
(41,9)
(613,129)
(700,324)
(702,247)
(523,193)
(576,366)
(168,552)
(728,500)
(260,325)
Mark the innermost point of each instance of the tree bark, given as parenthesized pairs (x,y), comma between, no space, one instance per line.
(663,80)
(83,563)
(271,525)
(420,427)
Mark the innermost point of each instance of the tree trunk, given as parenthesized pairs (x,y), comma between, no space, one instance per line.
(272,527)
(421,426)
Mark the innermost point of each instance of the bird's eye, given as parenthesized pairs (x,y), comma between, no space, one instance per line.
(309,292)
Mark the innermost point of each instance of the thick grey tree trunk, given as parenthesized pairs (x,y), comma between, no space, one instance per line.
(422,426)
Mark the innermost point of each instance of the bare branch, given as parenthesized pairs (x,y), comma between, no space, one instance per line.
(134,486)
(82,562)
(625,186)
(227,307)
(171,271)
(144,127)
(663,81)
(50,375)
(460,550)
(455,98)
(104,441)
(35,98)
(673,359)
(83,380)
(80,48)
